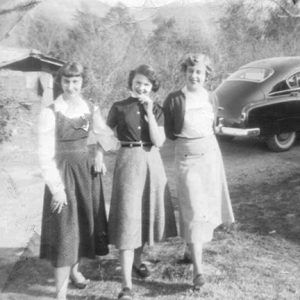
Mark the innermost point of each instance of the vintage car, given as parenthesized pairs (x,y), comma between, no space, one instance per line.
(262,98)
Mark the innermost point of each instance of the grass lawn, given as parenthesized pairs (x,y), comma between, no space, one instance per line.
(258,258)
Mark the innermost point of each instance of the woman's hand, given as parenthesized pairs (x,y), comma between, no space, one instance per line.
(217,129)
(99,166)
(157,135)
(59,199)
(147,103)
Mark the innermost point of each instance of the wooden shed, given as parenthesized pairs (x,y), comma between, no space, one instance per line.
(27,75)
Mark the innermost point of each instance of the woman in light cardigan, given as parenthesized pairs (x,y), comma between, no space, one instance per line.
(203,196)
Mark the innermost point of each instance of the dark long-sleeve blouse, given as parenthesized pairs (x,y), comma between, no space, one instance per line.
(130,120)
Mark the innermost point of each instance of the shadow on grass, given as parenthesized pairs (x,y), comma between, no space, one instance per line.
(27,273)
(267,208)
(163,271)
(8,258)
(158,288)
(238,146)
(33,277)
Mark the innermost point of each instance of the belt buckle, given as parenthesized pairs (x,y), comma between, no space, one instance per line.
(130,145)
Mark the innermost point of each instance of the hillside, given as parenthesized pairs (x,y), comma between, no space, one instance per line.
(63,11)
(200,16)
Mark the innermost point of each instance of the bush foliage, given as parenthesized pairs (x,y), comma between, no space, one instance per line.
(7,115)
(114,44)
(109,47)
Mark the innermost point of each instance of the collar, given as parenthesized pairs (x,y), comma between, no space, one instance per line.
(202,91)
(60,105)
(134,96)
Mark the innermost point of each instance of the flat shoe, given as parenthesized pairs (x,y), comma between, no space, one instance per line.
(142,270)
(82,284)
(125,294)
(198,282)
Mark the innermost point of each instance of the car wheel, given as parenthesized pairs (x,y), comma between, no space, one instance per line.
(281,142)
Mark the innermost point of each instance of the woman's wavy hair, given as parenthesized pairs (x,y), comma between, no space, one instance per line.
(148,72)
(193,59)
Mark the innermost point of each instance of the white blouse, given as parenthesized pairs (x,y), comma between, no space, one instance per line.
(199,115)
(101,134)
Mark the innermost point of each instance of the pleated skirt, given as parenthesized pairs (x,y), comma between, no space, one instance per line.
(204,201)
(141,210)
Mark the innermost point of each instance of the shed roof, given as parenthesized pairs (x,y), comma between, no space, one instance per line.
(9,55)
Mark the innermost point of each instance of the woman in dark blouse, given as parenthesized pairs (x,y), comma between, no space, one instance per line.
(141,210)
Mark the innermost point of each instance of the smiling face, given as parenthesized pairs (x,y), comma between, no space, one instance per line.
(141,85)
(71,86)
(195,76)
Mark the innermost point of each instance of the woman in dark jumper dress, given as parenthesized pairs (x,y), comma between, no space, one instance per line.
(141,210)
(74,223)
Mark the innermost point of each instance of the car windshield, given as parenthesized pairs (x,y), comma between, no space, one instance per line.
(251,74)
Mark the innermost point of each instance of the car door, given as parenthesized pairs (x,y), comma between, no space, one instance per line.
(285,108)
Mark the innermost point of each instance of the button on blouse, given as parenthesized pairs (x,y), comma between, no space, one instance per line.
(130,120)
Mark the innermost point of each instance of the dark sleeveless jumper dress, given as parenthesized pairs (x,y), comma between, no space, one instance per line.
(80,230)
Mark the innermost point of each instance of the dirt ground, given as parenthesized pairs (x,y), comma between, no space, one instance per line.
(255,175)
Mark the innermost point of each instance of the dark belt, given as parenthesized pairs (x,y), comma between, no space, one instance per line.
(136,144)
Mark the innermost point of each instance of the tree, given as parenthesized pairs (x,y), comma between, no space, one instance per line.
(12,15)
(288,8)
(45,35)
(168,45)
(108,47)
(248,31)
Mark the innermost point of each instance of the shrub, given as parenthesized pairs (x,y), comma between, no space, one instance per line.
(8,113)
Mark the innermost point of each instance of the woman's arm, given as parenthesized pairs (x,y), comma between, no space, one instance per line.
(214,103)
(156,132)
(102,134)
(46,151)
(168,123)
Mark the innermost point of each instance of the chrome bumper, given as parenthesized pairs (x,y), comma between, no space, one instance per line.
(223,130)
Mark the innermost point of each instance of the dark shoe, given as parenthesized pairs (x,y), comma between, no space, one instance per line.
(141,271)
(186,259)
(198,282)
(125,294)
(79,284)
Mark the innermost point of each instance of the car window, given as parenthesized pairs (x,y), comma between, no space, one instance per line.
(294,81)
(282,87)
(251,74)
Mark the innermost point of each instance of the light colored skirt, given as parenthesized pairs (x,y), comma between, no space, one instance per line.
(203,196)
(141,210)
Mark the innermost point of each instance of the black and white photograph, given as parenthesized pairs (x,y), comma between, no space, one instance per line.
(150,149)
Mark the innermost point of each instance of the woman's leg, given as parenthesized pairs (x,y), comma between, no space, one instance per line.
(126,259)
(138,256)
(61,275)
(74,269)
(187,257)
(196,253)
(139,267)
